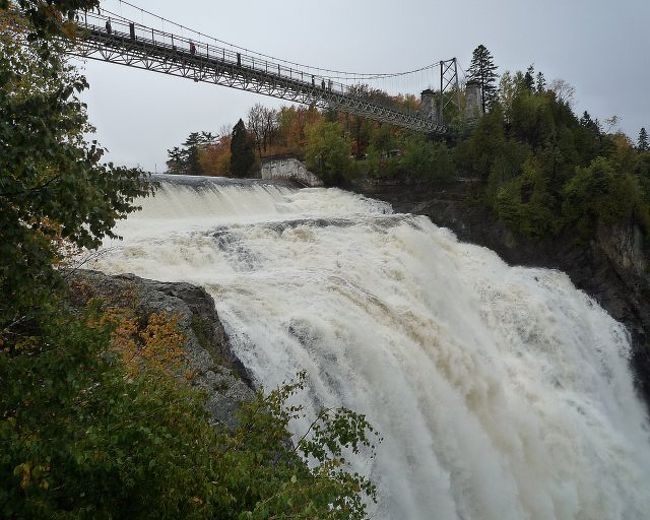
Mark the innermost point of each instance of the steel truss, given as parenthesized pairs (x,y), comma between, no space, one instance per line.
(146,48)
(448,86)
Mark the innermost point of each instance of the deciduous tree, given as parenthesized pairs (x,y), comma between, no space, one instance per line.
(53,185)
(328,151)
(564,91)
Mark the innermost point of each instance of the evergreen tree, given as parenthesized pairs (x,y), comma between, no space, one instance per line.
(642,143)
(192,144)
(529,78)
(589,123)
(483,70)
(185,159)
(242,151)
(177,162)
(541,82)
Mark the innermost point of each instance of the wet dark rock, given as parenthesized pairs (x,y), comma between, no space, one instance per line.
(216,369)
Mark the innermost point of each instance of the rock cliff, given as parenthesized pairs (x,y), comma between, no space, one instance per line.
(216,369)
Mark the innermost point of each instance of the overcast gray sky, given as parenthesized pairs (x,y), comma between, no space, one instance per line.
(602,47)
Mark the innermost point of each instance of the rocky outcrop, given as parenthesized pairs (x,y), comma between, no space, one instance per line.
(289,169)
(612,268)
(216,369)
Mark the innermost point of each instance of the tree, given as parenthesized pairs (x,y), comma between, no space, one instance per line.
(186,158)
(642,142)
(563,90)
(426,160)
(215,158)
(262,125)
(483,70)
(256,126)
(53,187)
(242,157)
(600,194)
(541,83)
(328,151)
(508,90)
(193,144)
(525,203)
(529,78)
(588,123)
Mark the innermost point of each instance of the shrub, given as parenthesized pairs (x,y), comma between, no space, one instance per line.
(89,431)
(328,151)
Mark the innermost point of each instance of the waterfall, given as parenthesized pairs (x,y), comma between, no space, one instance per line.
(500,392)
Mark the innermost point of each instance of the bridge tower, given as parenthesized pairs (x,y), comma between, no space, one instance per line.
(449,87)
(435,105)
(473,106)
(428,105)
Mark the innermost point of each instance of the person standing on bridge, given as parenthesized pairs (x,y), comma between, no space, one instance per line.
(109,28)
(192,48)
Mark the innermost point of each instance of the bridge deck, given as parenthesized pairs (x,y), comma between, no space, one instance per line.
(151,49)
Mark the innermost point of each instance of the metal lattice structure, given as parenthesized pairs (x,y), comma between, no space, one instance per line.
(449,86)
(125,42)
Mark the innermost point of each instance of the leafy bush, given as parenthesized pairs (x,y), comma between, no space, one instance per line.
(85,432)
(525,203)
(598,193)
(425,160)
(328,151)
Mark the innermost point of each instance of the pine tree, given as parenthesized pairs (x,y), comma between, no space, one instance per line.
(642,144)
(541,83)
(590,124)
(483,70)
(529,78)
(242,151)
(185,159)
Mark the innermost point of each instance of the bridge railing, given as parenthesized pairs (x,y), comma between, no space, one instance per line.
(130,30)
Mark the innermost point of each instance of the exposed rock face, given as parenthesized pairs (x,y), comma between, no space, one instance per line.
(611,269)
(289,169)
(216,369)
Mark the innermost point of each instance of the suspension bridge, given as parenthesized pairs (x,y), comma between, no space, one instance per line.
(106,35)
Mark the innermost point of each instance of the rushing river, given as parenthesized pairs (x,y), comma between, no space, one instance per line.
(501,392)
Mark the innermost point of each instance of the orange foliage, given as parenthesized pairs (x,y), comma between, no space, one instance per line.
(157,346)
(289,138)
(152,342)
(214,159)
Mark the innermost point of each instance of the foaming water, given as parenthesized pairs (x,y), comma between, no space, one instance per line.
(501,392)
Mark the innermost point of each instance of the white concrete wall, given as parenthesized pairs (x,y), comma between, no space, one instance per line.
(289,169)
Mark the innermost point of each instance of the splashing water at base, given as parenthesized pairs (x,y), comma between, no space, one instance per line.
(501,392)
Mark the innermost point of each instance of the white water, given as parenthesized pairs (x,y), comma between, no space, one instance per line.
(501,392)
